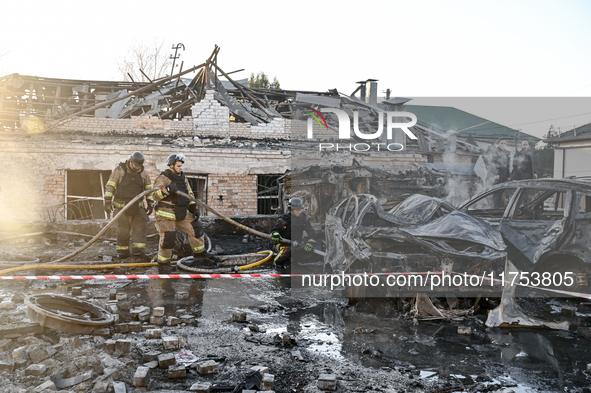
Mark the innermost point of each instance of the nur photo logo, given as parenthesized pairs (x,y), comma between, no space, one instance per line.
(394,120)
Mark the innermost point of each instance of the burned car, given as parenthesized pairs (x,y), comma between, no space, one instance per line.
(546,223)
(421,234)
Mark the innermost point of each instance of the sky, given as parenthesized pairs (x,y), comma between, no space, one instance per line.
(417,48)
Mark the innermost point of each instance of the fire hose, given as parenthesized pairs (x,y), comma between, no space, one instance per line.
(55,264)
(244,227)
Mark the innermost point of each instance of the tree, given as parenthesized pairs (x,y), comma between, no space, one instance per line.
(544,156)
(150,58)
(261,81)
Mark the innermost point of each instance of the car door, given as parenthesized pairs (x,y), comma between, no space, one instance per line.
(579,240)
(535,223)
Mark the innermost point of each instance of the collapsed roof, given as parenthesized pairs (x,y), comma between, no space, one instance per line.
(56,100)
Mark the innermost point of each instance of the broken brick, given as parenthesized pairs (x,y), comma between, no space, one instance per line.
(123,346)
(47,385)
(153,333)
(166,359)
(141,378)
(188,319)
(171,342)
(181,295)
(109,346)
(36,370)
(267,383)
(327,382)
(177,371)
(207,367)
(239,317)
(122,328)
(38,355)
(200,387)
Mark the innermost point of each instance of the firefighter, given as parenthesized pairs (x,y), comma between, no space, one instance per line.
(292,225)
(128,180)
(174,211)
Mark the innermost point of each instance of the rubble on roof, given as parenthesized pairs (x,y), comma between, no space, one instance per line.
(171,97)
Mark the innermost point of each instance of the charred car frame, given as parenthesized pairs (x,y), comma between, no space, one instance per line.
(421,234)
(546,223)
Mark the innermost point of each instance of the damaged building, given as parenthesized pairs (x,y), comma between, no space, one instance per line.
(61,138)
(246,151)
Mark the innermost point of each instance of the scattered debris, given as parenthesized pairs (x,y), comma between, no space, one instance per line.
(509,314)
(327,382)
(66,314)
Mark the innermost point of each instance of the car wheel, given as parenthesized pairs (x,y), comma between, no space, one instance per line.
(570,270)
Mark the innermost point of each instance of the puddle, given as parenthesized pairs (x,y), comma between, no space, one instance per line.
(541,360)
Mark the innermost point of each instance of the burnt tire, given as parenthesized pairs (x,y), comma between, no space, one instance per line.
(566,267)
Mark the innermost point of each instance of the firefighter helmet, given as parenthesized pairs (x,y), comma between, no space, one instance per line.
(295,203)
(174,158)
(137,158)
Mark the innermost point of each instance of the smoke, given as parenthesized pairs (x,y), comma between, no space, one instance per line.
(459,188)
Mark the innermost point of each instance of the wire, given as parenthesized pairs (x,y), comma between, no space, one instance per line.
(520,124)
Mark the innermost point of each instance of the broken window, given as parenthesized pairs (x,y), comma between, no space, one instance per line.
(584,205)
(491,205)
(267,194)
(198,183)
(541,205)
(85,194)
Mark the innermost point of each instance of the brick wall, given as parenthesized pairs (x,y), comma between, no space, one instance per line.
(210,119)
(137,125)
(55,184)
(233,194)
(30,185)
(209,116)
(213,119)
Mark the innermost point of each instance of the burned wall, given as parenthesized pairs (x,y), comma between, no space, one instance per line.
(233,194)
(393,162)
(35,167)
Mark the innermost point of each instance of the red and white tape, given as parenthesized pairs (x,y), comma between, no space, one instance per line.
(141,276)
(254,275)
(202,275)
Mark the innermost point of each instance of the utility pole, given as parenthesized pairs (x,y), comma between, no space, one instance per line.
(173,58)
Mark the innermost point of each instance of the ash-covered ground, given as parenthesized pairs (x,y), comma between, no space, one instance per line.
(373,346)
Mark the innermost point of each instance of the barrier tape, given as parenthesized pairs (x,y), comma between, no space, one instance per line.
(255,275)
(153,276)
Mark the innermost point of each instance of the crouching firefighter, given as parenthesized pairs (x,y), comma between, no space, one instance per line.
(292,226)
(174,211)
(128,180)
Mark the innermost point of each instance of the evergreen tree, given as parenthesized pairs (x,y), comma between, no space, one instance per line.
(261,81)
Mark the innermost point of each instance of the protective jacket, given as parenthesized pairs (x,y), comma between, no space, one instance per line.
(170,205)
(293,228)
(125,184)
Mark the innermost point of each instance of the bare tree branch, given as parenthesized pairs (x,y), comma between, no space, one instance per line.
(151,58)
